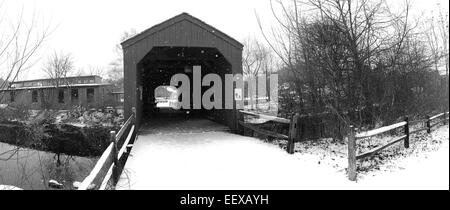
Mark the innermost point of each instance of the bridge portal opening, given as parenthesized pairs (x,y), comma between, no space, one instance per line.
(159,101)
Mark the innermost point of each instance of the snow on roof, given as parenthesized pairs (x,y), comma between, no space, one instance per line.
(61,86)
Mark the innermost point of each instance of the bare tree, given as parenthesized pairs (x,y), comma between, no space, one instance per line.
(58,67)
(436,33)
(115,70)
(96,70)
(256,58)
(20,40)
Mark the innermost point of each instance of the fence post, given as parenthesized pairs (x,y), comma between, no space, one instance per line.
(428,124)
(352,155)
(445,118)
(115,171)
(239,128)
(293,129)
(406,141)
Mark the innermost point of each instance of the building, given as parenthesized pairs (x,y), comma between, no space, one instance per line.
(65,93)
(172,47)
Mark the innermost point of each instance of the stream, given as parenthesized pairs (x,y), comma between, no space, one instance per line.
(32,169)
(33,156)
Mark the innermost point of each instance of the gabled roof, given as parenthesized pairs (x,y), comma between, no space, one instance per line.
(182,17)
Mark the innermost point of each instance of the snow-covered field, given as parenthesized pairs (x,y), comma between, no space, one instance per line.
(210,159)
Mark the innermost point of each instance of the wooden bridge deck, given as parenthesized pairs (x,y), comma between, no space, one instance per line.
(158,145)
(200,154)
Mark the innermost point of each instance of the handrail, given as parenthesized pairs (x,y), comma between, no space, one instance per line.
(119,156)
(379,131)
(125,144)
(437,116)
(104,159)
(293,128)
(267,117)
(110,159)
(124,127)
(264,132)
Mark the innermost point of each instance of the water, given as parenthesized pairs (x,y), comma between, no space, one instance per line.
(32,169)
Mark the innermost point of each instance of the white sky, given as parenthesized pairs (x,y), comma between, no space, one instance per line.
(90,29)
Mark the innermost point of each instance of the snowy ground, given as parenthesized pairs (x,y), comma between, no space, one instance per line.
(207,157)
(425,167)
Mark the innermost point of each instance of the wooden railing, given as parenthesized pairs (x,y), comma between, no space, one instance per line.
(293,128)
(106,172)
(354,137)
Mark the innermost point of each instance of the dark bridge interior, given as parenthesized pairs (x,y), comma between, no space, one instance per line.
(157,69)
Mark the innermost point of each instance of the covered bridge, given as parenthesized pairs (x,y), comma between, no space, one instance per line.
(152,57)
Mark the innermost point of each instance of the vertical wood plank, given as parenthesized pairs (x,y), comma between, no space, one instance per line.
(351,155)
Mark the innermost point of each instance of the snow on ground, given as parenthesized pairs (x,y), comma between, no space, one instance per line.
(8,187)
(423,166)
(214,159)
(426,166)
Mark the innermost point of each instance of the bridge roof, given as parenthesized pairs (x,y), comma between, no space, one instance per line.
(179,18)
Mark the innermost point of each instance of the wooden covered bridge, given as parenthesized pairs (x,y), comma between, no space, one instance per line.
(151,58)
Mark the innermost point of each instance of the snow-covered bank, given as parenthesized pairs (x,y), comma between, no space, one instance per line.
(78,117)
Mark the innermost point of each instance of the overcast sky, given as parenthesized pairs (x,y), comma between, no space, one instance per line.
(90,29)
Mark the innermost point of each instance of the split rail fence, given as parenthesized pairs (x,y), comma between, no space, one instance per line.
(290,138)
(354,137)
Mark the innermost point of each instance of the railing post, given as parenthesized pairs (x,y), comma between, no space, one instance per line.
(428,124)
(406,141)
(133,114)
(352,155)
(115,171)
(293,129)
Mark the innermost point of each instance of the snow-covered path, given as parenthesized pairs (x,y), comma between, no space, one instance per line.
(207,157)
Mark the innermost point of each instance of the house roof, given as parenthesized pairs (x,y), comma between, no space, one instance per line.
(182,17)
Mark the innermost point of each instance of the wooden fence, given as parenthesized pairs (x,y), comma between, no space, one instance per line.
(290,138)
(354,137)
(106,172)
